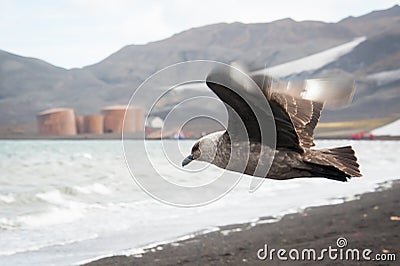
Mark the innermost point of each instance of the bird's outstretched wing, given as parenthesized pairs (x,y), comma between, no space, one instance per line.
(265,119)
(304,114)
(246,105)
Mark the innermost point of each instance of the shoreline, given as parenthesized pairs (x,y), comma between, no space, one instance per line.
(365,222)
(119,137)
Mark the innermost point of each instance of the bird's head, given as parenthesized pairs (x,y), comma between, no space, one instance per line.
(204,149)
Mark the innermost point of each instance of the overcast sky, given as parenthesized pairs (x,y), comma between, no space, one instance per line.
(75,33)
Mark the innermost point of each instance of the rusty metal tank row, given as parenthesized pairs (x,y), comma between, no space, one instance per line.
(92,124)
(63,121)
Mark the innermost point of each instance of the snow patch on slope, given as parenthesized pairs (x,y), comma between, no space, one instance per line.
(311,62)
(392,129)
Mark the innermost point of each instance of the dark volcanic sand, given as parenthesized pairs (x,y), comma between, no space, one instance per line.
(365,223)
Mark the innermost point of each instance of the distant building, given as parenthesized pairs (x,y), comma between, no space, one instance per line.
(58,122)
(155,122)
(93,124)
(79,124)
(114,119)
(63,121)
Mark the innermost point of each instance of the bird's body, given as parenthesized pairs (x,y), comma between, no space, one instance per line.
(294,120)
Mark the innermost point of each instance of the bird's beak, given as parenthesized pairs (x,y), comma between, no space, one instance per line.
(187,160)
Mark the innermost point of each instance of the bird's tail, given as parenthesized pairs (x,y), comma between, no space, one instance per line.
(337,163)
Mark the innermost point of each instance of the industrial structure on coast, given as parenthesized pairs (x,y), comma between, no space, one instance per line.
(64,121)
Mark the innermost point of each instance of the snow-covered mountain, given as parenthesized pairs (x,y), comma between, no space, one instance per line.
(365,48)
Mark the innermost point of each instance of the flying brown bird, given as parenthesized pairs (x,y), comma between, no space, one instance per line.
(278,147)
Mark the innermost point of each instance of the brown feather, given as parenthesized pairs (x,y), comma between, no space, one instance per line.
(304,115)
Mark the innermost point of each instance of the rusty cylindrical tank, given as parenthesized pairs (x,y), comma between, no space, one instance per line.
(59,121)
(79,124)
(114,117)
(137,118)
(93,124)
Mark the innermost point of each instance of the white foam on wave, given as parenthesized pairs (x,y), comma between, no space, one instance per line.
(84,155)
(229,231)
(61,210)
(7,224)
(54,216)
(53,197)
(7,198)
(93,188)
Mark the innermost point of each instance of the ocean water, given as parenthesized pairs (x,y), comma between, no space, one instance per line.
(69,202)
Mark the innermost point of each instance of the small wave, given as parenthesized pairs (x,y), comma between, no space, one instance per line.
(93,188)
(54,216)
(85,155)
(61,210)
(7,224)
(31,197)
(53,197)
(51,217)
(67,190)
(25,198)
(8,198)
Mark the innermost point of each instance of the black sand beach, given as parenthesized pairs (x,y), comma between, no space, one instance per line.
(371,222)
